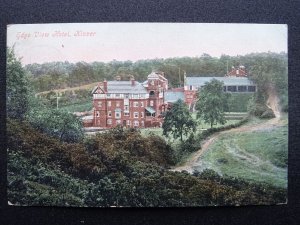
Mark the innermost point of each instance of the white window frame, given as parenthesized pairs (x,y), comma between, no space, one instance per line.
(135,104)
(136,115)
(136,123)
(109,114)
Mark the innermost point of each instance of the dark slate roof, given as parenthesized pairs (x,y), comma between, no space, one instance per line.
(124,87)
(200,81)
(173,96)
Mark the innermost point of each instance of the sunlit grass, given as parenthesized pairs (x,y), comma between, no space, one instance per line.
(259,156)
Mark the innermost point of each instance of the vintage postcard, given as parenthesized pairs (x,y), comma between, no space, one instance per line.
(147,114)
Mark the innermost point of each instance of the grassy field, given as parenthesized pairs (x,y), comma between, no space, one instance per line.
(259,156)
(80,107)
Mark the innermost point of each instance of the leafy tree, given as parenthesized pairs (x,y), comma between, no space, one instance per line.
(57,123)
(16,87)
(212,103)
(178,121)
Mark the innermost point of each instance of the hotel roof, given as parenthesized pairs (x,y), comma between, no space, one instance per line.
(228,81)
(173,96)
(124,87)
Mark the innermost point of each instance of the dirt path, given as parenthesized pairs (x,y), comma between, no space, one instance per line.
(272,103)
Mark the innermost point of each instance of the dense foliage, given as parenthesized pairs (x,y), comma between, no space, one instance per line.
(178,121)
(55,75)
(212,103)
(117,168)
(17,90)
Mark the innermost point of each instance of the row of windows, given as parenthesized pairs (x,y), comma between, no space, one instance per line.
(236,88)
(126,122)
(240,88)
(119,114)
(126,105)
(126,96)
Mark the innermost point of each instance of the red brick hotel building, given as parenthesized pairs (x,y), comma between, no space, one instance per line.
(130,103)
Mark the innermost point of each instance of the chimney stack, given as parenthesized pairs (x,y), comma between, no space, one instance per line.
(132,80)
(105,85)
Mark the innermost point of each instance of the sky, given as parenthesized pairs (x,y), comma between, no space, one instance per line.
(104,42)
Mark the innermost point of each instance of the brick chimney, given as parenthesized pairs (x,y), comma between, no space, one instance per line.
(132,80)
(105,85)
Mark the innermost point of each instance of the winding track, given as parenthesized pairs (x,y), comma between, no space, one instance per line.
(272,103)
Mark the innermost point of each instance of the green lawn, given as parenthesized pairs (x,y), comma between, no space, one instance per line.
(259,156)
(79,107)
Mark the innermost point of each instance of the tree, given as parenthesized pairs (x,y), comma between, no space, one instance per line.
(178,121)
(212,103)
(16,87)
(57,123)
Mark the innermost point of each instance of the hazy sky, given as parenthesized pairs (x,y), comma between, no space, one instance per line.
(38,43)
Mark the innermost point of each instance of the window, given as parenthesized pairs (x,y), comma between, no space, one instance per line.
(126,108)
(142,104)
(135,104)
(231,88)
(126,95)
(242,88)
(128,122)
(109,113)
(142,114)
(109,103)
(117,104)
(136,115)
(136,96)
(126,113)
(126,101)
(99,104)
(151,93)
(251,88)
(118,122)
(142,123)
(117,114)
(191,87)
(97,114)
(117,95)
(136,123)
(151,103)
(109,121)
